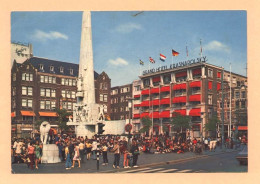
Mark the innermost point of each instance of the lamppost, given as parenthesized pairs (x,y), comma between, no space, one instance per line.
(130,109)
(202,125)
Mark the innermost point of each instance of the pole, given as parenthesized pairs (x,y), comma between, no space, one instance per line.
(222,112)
(230,102)
(98,152)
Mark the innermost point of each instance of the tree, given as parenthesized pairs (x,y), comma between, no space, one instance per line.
(147,123)
(63,115)
(180,122)
(211,126)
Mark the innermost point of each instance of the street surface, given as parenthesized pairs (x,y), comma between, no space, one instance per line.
(218,161)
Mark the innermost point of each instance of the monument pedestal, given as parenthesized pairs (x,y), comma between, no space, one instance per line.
(50,154)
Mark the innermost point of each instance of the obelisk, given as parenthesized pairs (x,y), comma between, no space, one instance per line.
(86,113)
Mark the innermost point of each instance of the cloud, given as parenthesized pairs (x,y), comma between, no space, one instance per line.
(128,27)
(118,62)
(52,35)
(216,46)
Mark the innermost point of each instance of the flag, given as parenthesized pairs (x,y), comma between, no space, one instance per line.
(151,60)
(174,53)
(162,57)
(141,62)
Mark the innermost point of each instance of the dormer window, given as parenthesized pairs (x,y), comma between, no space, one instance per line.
(61,69)
(71,71)
(51,68)
(41,66)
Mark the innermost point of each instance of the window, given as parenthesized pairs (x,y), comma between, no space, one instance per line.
(69,105)
(234,80)
(137,88)
(50,79)
(71,71)
(122,99)
(210,99)
(243,104)
(13,91)
(228,103)
(23,76)
(48,92)
(167,79)
(210,73)
(66,82)
(74,83)
(47,105)
(64,105)
(101,97)
(24,90)
(24,103)
(146,82)
(243,94)
(53,105)
(27,77)
(70,82)
(53,80)
(42,92)
(105,97)
(27,90)
(238,83)
(53,93)
(105,109)
(46,79)
(68,93)
(14,77)
(73,94)
(61,69)
(237,94)
(30,91)
(42,78)
(126,108)
(41,67)
(52,68)
(121,109)
(42,104)
(63,81)
(29,103)
(63,93)
(237,104)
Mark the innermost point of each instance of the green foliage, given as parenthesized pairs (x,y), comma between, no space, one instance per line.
(63,118)
(38,124)
(147,123)
(212,124)
(180,122)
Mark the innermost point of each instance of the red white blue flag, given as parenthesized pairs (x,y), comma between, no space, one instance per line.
(151,60)
(162,57)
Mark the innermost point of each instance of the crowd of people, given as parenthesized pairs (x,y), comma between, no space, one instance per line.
(76,150)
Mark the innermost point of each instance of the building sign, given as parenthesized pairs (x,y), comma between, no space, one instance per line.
(176,65)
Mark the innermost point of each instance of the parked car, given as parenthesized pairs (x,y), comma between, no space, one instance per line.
(242,156)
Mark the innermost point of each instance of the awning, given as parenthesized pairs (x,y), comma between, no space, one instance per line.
(27,113)
(136,116)
(48,114)
(154,115)
(165,101)
(210,85)
(157,79)
(180,99)
(165,88)
(12,114)
(165,114)
(145,92)
(219,75)
(144,114)
(240,128)
(137,96)
(155,90)
(181,74)
(195,84)
(137,105)
(179,86)
(196,71)
(181,111)
(218,86)
(194,98)
(155,102)
(195,112)
(145,103)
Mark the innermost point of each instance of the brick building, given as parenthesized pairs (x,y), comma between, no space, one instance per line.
(39,86)
(119,101)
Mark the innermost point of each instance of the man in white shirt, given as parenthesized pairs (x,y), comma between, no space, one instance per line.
(94,149)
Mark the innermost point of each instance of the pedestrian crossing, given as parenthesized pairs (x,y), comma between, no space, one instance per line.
(161,170)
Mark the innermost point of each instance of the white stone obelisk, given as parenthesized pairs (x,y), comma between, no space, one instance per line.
(86,112)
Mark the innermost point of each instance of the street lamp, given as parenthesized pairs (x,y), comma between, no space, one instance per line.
(202,116)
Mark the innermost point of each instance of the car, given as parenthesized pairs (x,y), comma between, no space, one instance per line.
(242,156)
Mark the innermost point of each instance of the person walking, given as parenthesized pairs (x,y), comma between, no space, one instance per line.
(135,152)
(37,154)
(81,150)
(104,154)
(88,146)
(94,149)
(31,149)
(116,151)
(68,163)
(76,155)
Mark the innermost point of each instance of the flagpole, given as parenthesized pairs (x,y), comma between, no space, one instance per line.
(200,49)
(172,59)
(230,102)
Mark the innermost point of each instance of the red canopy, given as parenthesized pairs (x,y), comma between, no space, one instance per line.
(181,74)
(195,112)
(154,115)
(181,111)
(194,98)
(137,105)
(165,114)
(195,84)
(145,103)
(218,86)
(144,114)
(157,79)
(155,90)
(165,88)
(155,102)
(165,101)
(145,92)
(219,75)
(179,86)
(137,96)
(210,85)
(136,116)
(180,99)
(12,114)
